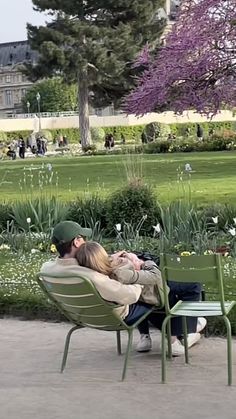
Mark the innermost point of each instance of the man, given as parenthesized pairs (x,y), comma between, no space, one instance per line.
(68,237)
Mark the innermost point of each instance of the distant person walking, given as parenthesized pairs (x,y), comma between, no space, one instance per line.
(199,132)
(21,148)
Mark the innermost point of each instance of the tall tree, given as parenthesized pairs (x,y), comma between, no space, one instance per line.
(55,95)
(196,67)
(94,42)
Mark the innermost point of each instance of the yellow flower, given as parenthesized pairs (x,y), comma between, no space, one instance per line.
(185,254)
(53,248)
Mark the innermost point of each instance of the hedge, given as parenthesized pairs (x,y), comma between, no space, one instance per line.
(133,133)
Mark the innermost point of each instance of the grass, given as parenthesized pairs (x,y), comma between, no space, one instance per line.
(213,178)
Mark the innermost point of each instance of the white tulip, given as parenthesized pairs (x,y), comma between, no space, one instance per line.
(33,251)
(28,220)
(234,220)
(157,228)
(215,219)
(232,231)
(118,227)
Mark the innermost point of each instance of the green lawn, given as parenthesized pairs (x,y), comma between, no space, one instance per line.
(213,178)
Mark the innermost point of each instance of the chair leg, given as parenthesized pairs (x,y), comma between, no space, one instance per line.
(185,331)
(169,339)
(129,344)
(66,348)
(118,341)
(163,349)
(229,349)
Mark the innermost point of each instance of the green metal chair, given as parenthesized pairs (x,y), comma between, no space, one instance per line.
(205,270)
(77,298)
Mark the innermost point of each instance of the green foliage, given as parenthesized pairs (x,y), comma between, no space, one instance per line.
(47,134)
(190,129)
(98,134)
(5,214)
(72,134)
(3,136)
(132,203)
(88,209)
(131,133)
(43,212)
(94,41)
(14,135)
(56,96)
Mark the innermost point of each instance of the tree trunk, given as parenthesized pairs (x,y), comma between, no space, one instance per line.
(83,96)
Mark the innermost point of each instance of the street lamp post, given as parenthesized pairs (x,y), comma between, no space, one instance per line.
(28,106)
(38,98)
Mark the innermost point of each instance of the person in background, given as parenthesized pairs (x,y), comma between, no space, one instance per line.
(199,132)
(21,148)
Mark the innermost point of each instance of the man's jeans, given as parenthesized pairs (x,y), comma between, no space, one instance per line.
(178,291)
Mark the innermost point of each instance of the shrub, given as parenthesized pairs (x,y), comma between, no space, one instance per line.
(98,135)
(47,134)
(14,135)
(88,210)
(131,133)
(161,146)
(130,204)
(72,134)
(3,137)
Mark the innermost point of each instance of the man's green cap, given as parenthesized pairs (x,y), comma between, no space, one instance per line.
(66,231)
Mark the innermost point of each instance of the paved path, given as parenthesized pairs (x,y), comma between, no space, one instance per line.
(32,388)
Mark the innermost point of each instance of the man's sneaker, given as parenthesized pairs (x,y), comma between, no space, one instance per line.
(201,324)
(193,338)
(145,344)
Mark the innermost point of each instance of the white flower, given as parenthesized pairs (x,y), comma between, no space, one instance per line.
(157,228)
(234,220)
(232,231)
(215,219)
(4,247)
(145,217)
(28,220)
(33,251)
(118,227)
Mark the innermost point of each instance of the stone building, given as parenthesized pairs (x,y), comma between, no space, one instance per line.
(13,83)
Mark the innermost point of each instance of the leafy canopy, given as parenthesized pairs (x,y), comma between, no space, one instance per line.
(103,36)
(196,68)
(55,95)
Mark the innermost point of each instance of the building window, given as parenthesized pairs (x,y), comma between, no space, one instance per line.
(23,92)
(8,78)
(8,98)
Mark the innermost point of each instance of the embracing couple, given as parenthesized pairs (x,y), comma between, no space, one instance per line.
(123,278)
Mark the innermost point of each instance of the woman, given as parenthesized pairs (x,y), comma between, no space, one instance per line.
(127,268)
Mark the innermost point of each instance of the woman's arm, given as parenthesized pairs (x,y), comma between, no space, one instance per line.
(148,275)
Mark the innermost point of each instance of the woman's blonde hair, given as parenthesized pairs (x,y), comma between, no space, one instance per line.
(92,255)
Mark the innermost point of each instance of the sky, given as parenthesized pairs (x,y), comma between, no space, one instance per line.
(14,14)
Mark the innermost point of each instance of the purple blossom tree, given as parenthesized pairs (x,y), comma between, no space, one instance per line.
(196,67)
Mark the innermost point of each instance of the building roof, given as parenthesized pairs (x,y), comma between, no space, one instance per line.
(12,53)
